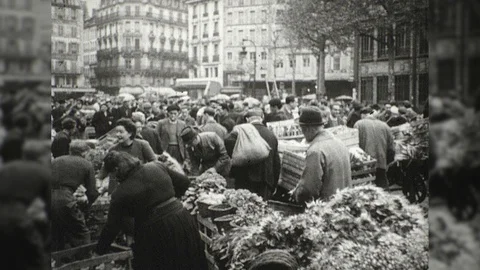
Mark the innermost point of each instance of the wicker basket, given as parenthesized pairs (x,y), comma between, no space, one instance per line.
(203,209)
(223,223)
(221,210)
(286,208)
(274,259)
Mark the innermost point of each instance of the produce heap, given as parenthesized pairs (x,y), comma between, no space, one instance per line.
(207,183)
(362,227)
(250,207)
(415,142)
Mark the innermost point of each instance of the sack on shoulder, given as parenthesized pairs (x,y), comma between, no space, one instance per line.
(250,148)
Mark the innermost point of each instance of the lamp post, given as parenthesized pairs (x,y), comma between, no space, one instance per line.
(244,53)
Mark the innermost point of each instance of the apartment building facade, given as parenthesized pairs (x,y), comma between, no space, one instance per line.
(255,28)
(140,43)
(22,61)
(67,44)
(205,38)
(455,48)
(90,48)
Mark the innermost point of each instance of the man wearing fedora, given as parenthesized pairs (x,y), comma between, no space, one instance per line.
(327,162)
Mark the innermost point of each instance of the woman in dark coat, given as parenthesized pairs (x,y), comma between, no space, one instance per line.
(166,235)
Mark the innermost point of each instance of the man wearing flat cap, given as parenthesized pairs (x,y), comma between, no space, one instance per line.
(210,125)
(169,130)
(206,151)
(327,162)
(260,178)
(376,139)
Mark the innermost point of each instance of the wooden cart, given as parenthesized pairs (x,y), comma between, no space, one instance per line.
(107,261)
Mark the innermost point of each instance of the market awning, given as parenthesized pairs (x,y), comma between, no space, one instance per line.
(198,88)
(72,90)
(133,90)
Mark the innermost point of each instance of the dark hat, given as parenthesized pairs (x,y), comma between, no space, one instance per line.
(366,110)
(173,108)
(311,116)
(209,111)
(187,134)
(402,110)
(254,112)
(275,102)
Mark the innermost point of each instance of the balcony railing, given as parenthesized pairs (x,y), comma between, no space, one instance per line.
(65,70)
(64,55)
(157,17)
(216,58)
(205,59)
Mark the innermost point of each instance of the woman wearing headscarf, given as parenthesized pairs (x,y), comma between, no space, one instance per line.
(166,235)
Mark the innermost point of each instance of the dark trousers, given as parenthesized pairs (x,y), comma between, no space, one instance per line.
(174,151)
(68,221)
(381,179)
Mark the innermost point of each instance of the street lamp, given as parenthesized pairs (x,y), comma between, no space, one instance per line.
(243,53)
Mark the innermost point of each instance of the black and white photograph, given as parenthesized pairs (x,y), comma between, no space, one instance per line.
(239,134)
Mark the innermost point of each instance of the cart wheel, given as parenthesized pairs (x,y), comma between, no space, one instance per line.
(416,189)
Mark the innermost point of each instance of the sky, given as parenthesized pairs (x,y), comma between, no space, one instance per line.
(91,4)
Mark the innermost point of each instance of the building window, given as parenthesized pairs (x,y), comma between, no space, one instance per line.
(73,48)
(229,56)
(127,10)
(402,87)
(446,75)
(252,34)
(382,89)
(423,87)
(229,37)
(292,62)
(240,17)
(366,48)
(241,2)
(215,49)
(402,41)
(137,26)
(74,31)
(28,25)
(128,63)
(205,9)
(423,41)
(279,64)
(264,36)
(216,72)
(264,15)
(229,17)
(336,62)
(205,51)
(194,31)
(206,72)
(128,43)
(215,27)
(216,6)
(60,30)
(137,11)
(252,16)
(229,3)
(252,55)
(205,30)
(240,37)
(382,49)
(366,92)
(264,55)
(195,52)
(445,18)
(306,61)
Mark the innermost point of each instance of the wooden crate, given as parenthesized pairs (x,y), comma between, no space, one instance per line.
(207,230)
(349,136)
(118,253)
(291,171)
(286,130)
(365,175)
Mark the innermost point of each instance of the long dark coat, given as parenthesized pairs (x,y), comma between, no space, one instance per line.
(261,178)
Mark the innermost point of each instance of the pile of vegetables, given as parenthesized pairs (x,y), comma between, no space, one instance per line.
(415,143)
(360,228)
(208,182)
(250,207)
(358,158)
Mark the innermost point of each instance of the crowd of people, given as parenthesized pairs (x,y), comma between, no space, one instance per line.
(201,136)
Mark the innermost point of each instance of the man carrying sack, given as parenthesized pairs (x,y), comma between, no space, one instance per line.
(254,151)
